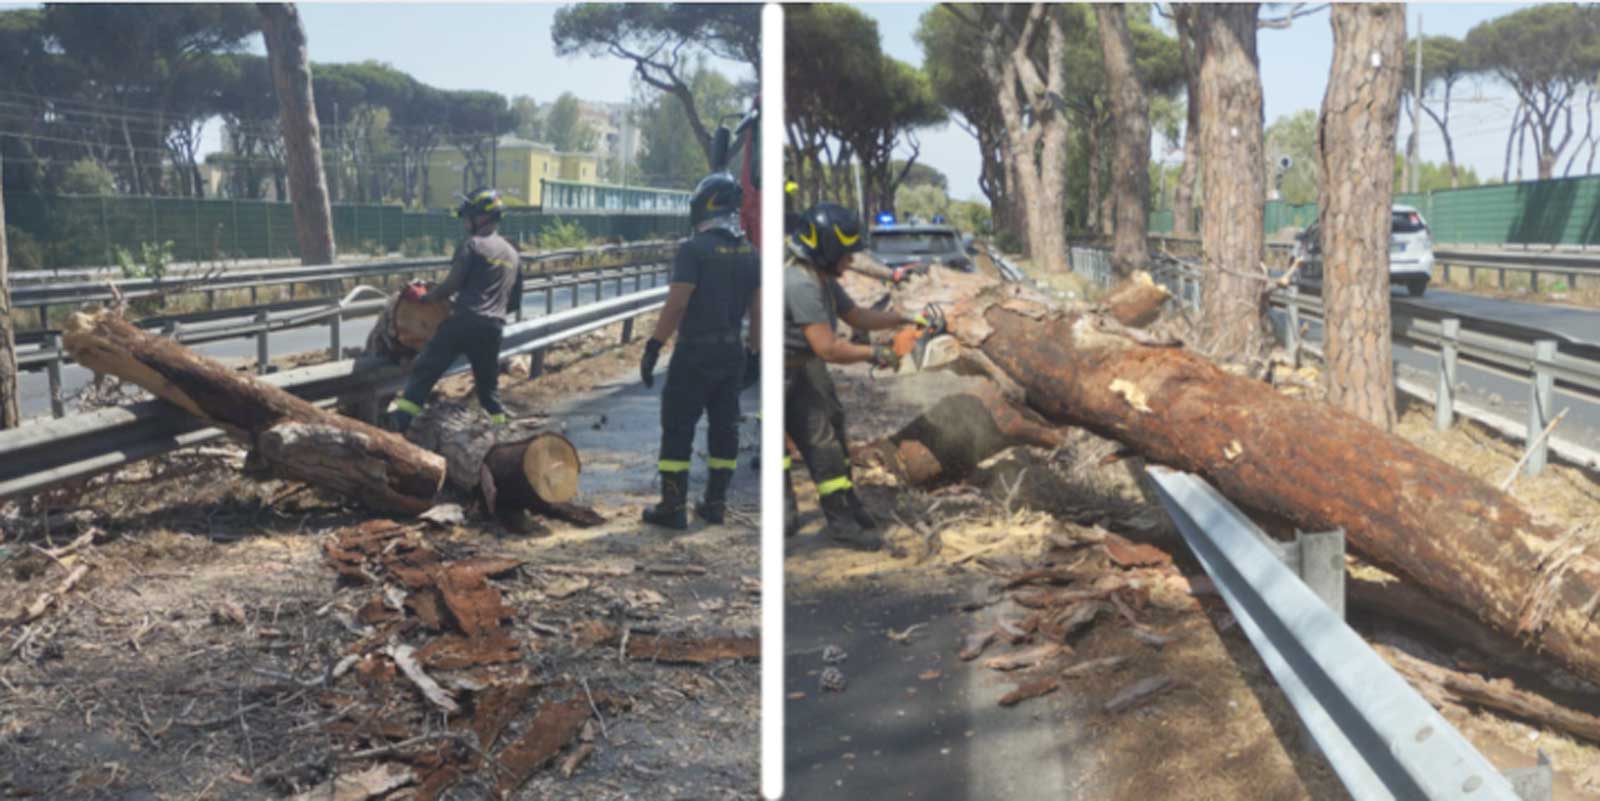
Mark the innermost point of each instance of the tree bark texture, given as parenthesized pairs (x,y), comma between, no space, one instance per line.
(1234,175)
(291,76)
(1356,146)
(512,468)
(1130,125)
(1312,464)
(10,408)
(404,326)
(292,438)
(1183,194)
(1037,139)
(949,441)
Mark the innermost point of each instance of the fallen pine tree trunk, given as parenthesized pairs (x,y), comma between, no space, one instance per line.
(948,441)
(288,436)
(512,469)
(1402,508)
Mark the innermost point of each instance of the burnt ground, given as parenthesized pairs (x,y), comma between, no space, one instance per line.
(210,651)
(915,720)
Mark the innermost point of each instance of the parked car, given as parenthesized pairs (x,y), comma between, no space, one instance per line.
(919,246)
(1410,251)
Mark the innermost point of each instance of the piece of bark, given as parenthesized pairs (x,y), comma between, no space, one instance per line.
(692,651)
(453,652)
(1137,693)
(40,605)
(1315,466)
(1136,302)
(555,725)
(1067,622)
(975,644)
(570,765)
(1044,685)
(436,695)
(290,436)
(1499,695)
(1129,554)
(1088,666)
(948,441)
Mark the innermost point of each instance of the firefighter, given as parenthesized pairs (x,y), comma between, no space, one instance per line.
(486,282)
(821,246)
(716,279)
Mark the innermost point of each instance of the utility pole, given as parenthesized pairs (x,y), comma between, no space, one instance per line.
(1416,109)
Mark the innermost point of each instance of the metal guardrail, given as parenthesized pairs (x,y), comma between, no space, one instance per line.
(42,296)
(50,356)
(40,455)
(1381,737)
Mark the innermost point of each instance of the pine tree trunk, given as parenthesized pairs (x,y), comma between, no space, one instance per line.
(511,468)
(1356,145)
(1234,175)
(289,437)
(949,441)
(1307,462)
(291,76)
(1183,194)
(10,406)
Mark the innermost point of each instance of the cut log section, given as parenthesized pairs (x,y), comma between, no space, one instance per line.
(290,437)
(404,326)
(1402,508)
(949,441)
(512,468)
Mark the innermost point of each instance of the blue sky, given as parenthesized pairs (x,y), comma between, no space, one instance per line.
(1294,73)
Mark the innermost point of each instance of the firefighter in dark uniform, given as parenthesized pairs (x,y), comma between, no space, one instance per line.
(486,282)
(716,279)
(820,247)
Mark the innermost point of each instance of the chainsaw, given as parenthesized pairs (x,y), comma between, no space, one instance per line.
(925,345)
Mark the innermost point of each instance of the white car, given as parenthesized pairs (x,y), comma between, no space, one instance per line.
(1410,251)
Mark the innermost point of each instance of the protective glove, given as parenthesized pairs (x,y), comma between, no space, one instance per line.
(884,357)
(931,321)
(900,274)
(752,370)
(414,290)
(647,364)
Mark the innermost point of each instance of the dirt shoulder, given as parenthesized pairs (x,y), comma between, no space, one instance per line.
(212,650)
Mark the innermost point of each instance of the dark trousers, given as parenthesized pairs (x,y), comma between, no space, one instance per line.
(701,378)
(478,338)
(814,420)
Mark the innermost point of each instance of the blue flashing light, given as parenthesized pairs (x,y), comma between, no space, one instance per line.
(886,218)
(938,219)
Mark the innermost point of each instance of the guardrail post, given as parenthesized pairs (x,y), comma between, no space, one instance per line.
(1533,281)
(262,360)
(549,299)
(627,330)
(334,334)
(1444,410)
(1502,272)
(52,342)
(1291,337)
(44,317)
(1447,273)
(1544,351)
(211,300)
(536,363)
(1572,281)
(253,293)
(1319,560)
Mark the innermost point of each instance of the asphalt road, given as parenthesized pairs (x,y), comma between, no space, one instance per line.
(913,722)
(34,389)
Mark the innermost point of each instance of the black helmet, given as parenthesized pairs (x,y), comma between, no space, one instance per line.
(718,194)
(481,202)
(826,233)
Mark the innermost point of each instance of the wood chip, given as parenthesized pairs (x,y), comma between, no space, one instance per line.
(1129,554)
(622,568)
(1088,666)
(1138,692)
(555,725)
(436,695)
(930,675)
(373,782)
(43,603)
(1027,658)
(1043,685)
(974,645)
(675,570)
(1132,394)
(566,587)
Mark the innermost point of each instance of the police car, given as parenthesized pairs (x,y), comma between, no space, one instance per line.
(918,245)
(1410,251)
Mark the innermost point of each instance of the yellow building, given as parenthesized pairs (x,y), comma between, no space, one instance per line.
(520,165)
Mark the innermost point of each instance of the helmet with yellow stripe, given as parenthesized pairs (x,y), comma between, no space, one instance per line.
(826,234)
(481,203)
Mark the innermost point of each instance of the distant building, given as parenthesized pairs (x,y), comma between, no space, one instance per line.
(617,138)
(517,168)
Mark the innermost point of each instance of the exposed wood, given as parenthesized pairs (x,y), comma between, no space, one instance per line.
(1138,301)
(436,695)
(403,327)
(1311,464)
(42,604)
(950,440)
(289,436)
(556,724)
(1044,685)
(1439,684)
(524,469)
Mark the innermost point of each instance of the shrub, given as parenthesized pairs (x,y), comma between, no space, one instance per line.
(24,251)
(151,261)
(560,235)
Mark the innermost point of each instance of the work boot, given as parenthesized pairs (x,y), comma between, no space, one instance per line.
(858,510)
(791,509)
(842,526)
(714,506)
(673,511)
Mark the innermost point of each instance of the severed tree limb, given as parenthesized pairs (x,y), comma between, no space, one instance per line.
(1403,509)
(289,436)
(952,438)
(1440,684)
